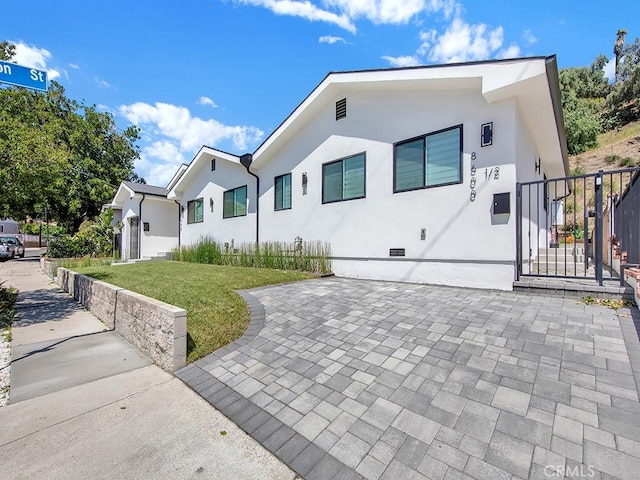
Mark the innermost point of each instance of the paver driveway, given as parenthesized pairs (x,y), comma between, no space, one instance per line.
(351,379)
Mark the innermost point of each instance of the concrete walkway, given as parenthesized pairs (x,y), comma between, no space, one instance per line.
(86,404)
(357,379)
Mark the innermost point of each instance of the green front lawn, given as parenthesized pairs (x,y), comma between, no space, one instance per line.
(216,314)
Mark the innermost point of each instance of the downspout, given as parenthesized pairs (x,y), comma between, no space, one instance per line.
(246,160)
(179,220)
(140,227)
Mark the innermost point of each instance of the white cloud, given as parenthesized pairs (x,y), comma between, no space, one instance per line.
(331,40)
(34,57)
(74,66)
(158,162)
(173,133)
(344,13)
(101,83)
(463,42)
(402,61)
(207,101)
(610,70)
(460,41)
(529,37)
(512,51)
(381,11)
(192,132)
(303,9)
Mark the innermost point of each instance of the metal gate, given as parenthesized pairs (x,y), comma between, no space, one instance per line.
(570,227)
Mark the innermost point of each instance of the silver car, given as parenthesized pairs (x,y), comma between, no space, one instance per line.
(11,247)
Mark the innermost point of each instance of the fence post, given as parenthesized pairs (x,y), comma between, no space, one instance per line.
(518,230)
(597,234)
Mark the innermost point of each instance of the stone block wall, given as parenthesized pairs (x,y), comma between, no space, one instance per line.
(157,329)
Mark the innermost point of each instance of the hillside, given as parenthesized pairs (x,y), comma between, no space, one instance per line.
(618,148)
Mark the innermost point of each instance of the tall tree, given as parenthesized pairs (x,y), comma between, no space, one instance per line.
(618,48)
(59,155)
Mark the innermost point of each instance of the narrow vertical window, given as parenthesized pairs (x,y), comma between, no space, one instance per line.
(282,186)
(195,211)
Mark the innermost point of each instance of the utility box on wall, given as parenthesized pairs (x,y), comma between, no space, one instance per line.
(501,203)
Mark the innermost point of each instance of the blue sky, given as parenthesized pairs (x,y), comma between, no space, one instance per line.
(226,73)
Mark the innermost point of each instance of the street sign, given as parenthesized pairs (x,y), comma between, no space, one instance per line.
(23,76)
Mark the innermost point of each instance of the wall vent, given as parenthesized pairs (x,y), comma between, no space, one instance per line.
(396,252)
(341,109)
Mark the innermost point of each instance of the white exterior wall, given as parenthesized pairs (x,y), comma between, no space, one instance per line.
(465,243)
(162,216)
(207,184)
(534,217)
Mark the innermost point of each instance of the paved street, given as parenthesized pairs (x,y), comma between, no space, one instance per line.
(348,379)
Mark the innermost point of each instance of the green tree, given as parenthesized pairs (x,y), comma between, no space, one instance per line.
(583,92)
(618,48)
(623,102)
(7,50)
(58,155)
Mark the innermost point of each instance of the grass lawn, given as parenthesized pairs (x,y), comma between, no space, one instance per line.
(216,314)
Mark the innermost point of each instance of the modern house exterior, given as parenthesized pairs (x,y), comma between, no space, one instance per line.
(147,221)
(410,174)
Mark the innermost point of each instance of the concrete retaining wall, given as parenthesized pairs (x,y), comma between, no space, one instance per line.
(156,328)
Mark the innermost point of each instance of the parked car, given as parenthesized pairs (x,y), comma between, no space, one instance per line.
(15,247)
(6,250)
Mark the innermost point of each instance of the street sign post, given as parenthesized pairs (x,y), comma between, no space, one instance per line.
(23,76)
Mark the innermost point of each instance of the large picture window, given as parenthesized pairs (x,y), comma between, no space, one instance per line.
(282,186)
(195,211)
(344,179)
(235,203)
(428,161)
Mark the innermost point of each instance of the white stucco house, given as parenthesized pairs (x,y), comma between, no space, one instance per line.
(147,221)
(7,225)
(409,173)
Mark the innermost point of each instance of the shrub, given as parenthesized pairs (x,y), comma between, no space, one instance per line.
(8,297)
(627,162)
(610,159)
(302,256)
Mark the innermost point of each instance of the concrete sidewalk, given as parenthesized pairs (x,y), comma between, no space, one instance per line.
(86,404)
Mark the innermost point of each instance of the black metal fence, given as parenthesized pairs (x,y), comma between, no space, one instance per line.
(575,227)
(627,221)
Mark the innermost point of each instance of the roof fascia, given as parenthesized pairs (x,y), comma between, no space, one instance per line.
(204,154)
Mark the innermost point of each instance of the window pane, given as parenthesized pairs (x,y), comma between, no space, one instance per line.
(240,201)
(286,191)
(227,207)
(283,192)
(278,193)
(354,180)
(199,213)
(332,182)
(409,165)
(190,212)
(443,157)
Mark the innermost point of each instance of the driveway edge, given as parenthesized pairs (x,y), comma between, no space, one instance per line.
(300,454)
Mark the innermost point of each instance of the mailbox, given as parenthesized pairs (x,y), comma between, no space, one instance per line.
(501,203)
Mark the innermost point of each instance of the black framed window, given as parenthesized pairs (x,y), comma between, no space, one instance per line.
(431,160)
(195,211)
(235,202)
(282,186)
(344,179)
